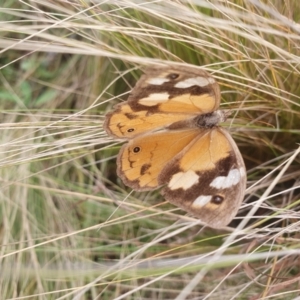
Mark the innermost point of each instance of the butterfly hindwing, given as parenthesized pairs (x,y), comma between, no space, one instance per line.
(123,122)
(171,123)
(142,159)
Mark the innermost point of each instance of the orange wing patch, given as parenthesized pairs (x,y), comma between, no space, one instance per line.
(126,123)
(171,122)
(143,158)
(187,103)
(205,152)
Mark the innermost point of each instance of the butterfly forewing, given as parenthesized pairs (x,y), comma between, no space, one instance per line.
(171,121)
(211,184)
(162,97)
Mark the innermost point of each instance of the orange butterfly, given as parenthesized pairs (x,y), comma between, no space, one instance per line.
(171,123)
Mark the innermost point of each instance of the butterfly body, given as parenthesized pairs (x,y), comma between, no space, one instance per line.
(171,121)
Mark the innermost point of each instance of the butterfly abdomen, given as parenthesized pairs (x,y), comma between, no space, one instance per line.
(171,123)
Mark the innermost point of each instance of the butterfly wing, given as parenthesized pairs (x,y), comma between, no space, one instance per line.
(207,178)
(161,97)
(142,159)
(170,119)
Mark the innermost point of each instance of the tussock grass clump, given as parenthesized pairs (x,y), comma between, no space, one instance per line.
(70,229)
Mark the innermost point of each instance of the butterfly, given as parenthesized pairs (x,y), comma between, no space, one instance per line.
(170,122)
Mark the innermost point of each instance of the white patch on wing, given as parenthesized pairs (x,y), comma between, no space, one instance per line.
(158,81)
(224,182)
(242,172)
(183,180)
(200,81)
(154,99)
(201,201)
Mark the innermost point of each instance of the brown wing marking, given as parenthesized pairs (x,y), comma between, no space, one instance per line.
(141,160)
(188,176)
(154,106)
(194,99)
(123,122)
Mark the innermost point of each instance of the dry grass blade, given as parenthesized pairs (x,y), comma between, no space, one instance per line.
(69,228)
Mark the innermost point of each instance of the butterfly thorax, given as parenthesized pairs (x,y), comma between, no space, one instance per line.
(210,120)
(171,123)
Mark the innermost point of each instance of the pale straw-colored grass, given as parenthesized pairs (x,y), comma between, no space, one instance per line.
(69,228)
